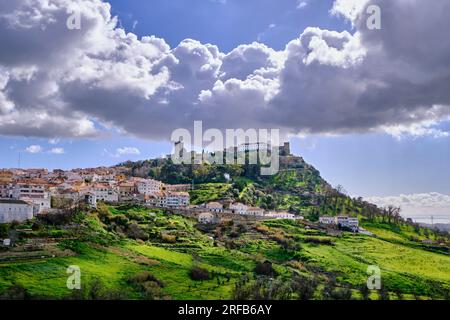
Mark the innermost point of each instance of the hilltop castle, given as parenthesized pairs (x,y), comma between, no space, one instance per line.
(246,148)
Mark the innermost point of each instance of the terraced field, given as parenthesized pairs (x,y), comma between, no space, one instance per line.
(109,260)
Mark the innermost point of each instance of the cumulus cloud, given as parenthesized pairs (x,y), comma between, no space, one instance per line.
(301,4)
(57,150)
(34,149)
(56,82)
(124,151)
(418,206)
(128,151)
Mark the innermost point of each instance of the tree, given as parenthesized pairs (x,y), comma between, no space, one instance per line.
(364,292)
(199,274)
(304,287)
(392,213)
(265,269)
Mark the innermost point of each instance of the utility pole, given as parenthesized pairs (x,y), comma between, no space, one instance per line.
(432,220)
(19,161)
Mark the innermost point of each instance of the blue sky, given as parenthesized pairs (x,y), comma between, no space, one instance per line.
(226,24)
(366,162)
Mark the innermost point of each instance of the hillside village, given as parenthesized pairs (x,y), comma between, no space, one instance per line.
(26,193)
(30,192)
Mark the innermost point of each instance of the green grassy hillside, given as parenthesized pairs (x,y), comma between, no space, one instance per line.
(137,253)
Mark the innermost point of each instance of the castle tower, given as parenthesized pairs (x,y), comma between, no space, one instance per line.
(179,149)
(287,149)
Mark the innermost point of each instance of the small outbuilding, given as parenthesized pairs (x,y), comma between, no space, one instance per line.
(207,218)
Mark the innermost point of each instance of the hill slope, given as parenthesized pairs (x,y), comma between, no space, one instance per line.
(138,253)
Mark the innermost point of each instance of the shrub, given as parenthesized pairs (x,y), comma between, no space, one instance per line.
(304,287)
(342,294)
(59,218)
(262,229)
(319,241)
(231,245)
(234,234)
(16,292)
(241,228)
(147,284)
(199,274)
(262,289)
(4,229)
(134,231)
(168,238)
(144,276)
(265,269)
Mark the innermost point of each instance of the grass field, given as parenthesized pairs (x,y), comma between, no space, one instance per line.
(113,258)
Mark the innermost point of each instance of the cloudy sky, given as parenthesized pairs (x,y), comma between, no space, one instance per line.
(369,108)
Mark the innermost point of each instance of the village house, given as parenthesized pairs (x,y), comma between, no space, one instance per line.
(327,220)
(61,197)
(214,207)
(4,190)
(341,221)
(15,210)
(176,199)
(238,208)
(254,211)
(35,173)
(104,192)
(208,218)
(29,189)
(347,222)
(282,215)
(127,191)
(169,199)
(156,199)
(6,176)
(148,186)
(35,191)
(90,199)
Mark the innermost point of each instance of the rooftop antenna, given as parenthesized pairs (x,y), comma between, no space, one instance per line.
(19,161)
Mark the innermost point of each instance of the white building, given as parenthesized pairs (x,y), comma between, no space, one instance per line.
(327,220)
(156,199)
(253,147)
(342,221)
(41,205)
(282,215)
(238,208)
(90,199)
(15,210)
(214,207)
(28,190)
(253,211)
(32,192)
(104,192)
(149,186)
(4,190)
(348,222)
(176,199)
(67,194)
(169,199)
